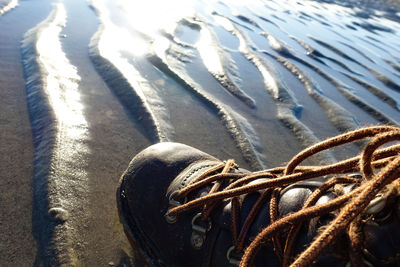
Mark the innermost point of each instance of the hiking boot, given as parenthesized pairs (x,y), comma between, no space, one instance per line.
(182,207)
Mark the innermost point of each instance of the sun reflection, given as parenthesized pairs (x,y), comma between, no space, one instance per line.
(8,7)
(62,79)
(208,49)
(225,23)
(128,42)
(151,16)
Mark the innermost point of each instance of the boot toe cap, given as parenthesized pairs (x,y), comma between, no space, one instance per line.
(151,172)
(142,193)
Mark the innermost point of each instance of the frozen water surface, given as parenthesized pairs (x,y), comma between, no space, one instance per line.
(253,80)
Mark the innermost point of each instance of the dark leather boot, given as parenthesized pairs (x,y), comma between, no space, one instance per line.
(216,233)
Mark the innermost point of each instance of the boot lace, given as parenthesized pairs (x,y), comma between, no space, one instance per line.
(379,167)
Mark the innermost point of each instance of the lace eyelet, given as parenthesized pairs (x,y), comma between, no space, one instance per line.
(199,232)
(376,205)
(233,257)
(172,203)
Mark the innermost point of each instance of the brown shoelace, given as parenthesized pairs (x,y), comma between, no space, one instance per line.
(379,170)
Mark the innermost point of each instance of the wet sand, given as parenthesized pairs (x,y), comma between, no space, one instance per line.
(57,202)
(17,244)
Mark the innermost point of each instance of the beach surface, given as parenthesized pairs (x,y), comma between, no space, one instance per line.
(86,85)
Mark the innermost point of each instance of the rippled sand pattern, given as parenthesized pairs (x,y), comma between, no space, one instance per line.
(253,80)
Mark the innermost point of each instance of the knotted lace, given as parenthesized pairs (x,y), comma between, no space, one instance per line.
(379,170)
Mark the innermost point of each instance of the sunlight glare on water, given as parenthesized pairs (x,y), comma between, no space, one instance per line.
(144,20)
(62,79)
(206,46)
(128,42)
(151,15)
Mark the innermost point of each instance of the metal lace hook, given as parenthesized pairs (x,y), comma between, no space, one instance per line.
(172,203)
(233,257)
(199,232)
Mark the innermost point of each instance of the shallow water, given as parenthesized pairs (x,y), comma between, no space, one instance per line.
(253,80)
(206,43)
